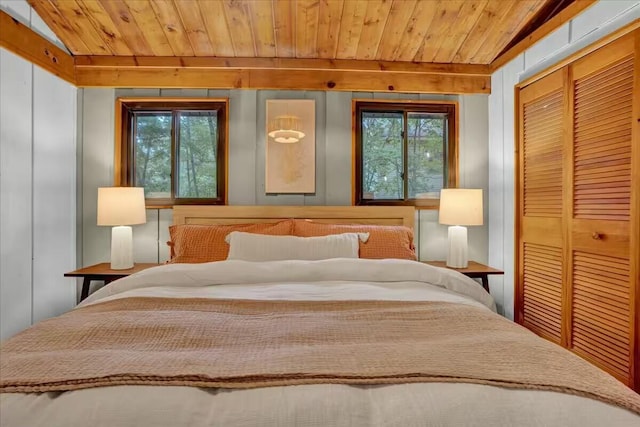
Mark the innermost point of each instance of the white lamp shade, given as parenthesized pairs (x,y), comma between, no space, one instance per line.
(460,206)
(121,206)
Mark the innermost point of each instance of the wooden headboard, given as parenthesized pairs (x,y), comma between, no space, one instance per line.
(379,215)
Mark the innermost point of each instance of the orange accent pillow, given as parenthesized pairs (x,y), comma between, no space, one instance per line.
(385,241)
(205,243)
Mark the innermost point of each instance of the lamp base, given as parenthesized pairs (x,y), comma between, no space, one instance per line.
(121,247)
(457,256)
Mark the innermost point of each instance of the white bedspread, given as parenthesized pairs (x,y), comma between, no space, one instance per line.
(420,404)
(301,280)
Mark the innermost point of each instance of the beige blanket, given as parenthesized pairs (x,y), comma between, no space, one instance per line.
(245,344)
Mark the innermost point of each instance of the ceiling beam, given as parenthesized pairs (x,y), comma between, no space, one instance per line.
(281,73)
(565,15)
(280,63)
(21,40)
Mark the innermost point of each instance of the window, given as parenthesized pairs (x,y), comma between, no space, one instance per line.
(174,149)
(405,153)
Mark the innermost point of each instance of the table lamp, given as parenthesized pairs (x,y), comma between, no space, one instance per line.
(121,207)
(459,207)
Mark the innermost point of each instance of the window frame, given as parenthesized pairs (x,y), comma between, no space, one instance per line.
(404,106)
(124,148)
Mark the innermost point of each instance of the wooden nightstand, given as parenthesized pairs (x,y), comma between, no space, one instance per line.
(104,273)
(474,270)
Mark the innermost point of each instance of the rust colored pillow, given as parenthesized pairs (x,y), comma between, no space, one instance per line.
(205,243)
(385,241)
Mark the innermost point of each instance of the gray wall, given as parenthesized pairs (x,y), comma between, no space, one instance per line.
(594,23)
(37,188)
(247,163)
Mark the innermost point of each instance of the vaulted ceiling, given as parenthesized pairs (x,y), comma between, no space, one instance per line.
(410,46)
(440,31)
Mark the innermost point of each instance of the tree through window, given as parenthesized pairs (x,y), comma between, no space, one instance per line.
(174,149)
(405,152)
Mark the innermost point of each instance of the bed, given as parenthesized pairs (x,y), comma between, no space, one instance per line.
(345,341)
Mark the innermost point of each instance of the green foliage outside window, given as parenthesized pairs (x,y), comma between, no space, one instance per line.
(174,152)
(198,146)
(427,147)
(153,153)
(389,136)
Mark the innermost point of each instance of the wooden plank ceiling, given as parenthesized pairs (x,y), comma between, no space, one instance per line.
(433,31)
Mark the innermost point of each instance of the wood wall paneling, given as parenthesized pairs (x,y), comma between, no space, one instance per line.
(37,170)
(573,54)
(509,79)
(246,179)
(338,130)
(97,169)
(54,194)
(165,219)
(146,238)
(243,144)
(16,118)
(564,16)
(318,198)
(495,193)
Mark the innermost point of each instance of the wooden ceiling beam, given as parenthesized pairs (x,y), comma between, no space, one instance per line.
(213,63)
(542,31)
(23,41)
(281,73)
(290,79)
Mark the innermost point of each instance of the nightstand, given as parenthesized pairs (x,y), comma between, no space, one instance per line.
(104,273)
(475,270)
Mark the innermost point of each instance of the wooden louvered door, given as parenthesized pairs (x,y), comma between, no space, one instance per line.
(599,255)
(540,203)
(578,207)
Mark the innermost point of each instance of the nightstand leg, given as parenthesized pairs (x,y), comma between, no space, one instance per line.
(485,282)
(85,288)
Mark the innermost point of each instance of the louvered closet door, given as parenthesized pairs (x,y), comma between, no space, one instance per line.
(540,205)
(601,287)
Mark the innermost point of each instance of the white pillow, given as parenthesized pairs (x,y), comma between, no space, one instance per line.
(262,247)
